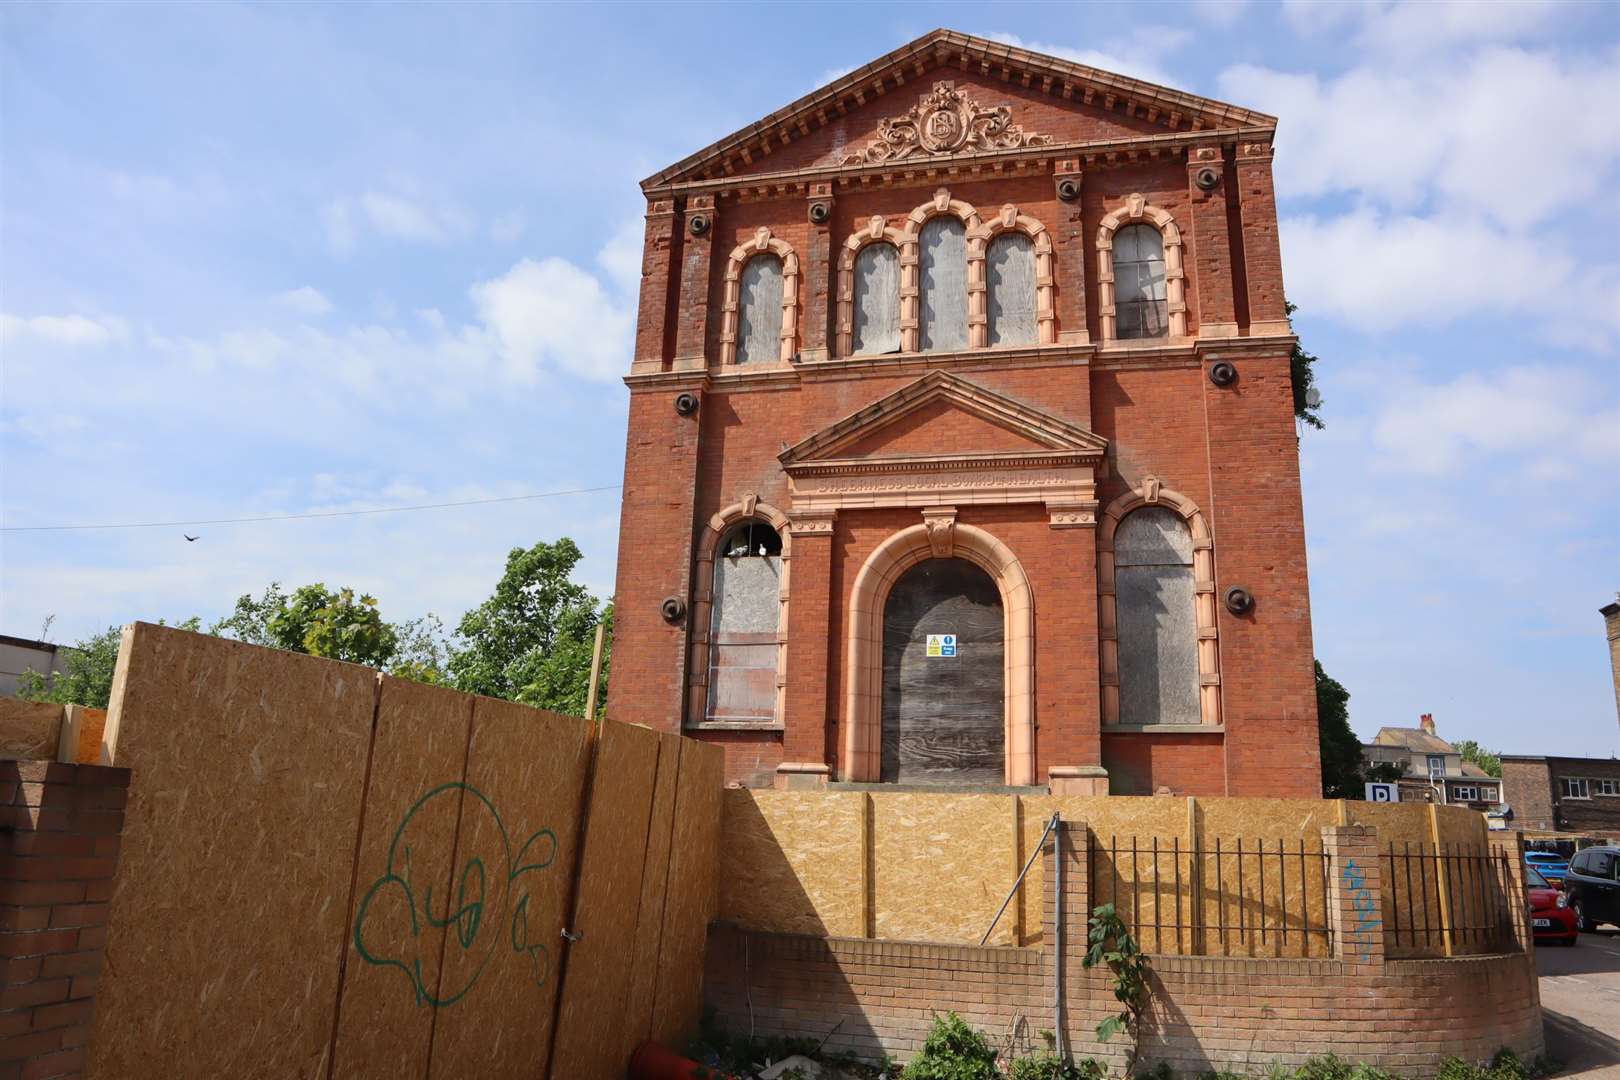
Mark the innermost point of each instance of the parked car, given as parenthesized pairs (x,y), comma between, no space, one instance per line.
(1550,864)
(1551,918)
(1593,887)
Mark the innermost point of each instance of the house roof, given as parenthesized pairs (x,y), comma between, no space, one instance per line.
(934,50)
(1413,739)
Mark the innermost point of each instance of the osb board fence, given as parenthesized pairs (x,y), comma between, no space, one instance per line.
(1223,877)
(45,731)
(328,873)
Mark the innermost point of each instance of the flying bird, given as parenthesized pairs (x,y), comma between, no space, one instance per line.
(189,539)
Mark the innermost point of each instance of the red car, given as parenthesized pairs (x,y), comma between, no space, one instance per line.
(1551,918)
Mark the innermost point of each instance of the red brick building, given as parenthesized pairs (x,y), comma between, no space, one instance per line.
(962,444)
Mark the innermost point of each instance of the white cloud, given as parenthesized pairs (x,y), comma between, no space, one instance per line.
(1410,26)
(551,313)
(621,257)
(1219,12)
(305,300)
(1518,135)
(1547,419)
(66,330)
(393,215)
(1377,271)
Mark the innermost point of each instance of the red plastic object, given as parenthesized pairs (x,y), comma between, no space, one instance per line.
(654,1061)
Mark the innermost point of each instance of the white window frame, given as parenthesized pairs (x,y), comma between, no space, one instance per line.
(1466,793)
(1437,773)
(1568,783)
(1607,787)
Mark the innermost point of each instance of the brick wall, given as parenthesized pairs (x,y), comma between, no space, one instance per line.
(1208,1013)
(1231,450)
(62,825)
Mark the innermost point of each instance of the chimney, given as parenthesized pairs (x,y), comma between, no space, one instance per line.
(1426,722)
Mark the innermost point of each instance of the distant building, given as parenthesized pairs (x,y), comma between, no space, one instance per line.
(1432,769)
(18,655)
(1563,794)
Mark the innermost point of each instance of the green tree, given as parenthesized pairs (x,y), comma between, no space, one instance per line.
(337,625)
(86,676)
(531,641)
(249,621)
(1472,752)
(1341,749)
(1304,379)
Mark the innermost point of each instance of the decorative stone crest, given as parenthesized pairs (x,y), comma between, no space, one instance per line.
(941,523)
(946,122)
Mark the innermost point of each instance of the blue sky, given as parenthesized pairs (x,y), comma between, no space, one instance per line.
(281,259)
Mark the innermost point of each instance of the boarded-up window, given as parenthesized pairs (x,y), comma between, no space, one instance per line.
(877,299)
(942,265)
(742,631)
(759,311)
(1140,305)
(1156,619)
(1010,266)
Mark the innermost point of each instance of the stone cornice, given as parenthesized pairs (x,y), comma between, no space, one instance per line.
(1099,153)
(941,51)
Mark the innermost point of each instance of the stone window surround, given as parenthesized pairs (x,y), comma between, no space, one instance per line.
(1151,492)
(730,299)
(979,235)
(1137,210)
(939,535)
(708,548)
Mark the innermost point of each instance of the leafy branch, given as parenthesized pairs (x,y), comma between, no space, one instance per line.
(1112,945)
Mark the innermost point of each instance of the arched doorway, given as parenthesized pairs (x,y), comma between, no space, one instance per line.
(944,676)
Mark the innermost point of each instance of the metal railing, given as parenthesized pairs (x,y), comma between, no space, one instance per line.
(1441,900)
(1240,897)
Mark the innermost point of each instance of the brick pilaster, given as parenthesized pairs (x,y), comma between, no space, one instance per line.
(1074,1010)
(62,825)
(1069,256)
(818,276)
(1262,253)
(1355,906)
(692,303)
(807,758)
(1211,246)
(1508,848)
(659,249)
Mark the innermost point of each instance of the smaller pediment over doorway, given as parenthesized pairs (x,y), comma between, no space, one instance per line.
(944,440)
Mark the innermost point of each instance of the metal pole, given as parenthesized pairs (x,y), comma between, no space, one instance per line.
(1039,844)
(1057,942)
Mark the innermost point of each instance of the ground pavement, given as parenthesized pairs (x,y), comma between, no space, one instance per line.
(1580,1001)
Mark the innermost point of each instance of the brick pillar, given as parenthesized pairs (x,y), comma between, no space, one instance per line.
(1211,246)
(62,825)
(648,681)
(692,304)
(658,250)
(806,758)
(1071,248)
(818,275)
(1355,905)
(1262,254)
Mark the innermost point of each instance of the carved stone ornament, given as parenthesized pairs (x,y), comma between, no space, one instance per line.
(941,523)
(946,122)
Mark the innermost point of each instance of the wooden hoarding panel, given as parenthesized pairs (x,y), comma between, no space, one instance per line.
(29,730)
(508,892)
(395,942)
(229,908)
(792,861)
(591,1018)
(638,1013)
(690,905)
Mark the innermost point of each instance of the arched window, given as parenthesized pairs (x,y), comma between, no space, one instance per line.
(877,300)
(759,311)
(942,263)
(1157,619)
(1010,270)
(1140,300)
(743,625)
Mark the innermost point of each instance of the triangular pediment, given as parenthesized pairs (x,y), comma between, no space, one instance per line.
(949,94)
(945,418)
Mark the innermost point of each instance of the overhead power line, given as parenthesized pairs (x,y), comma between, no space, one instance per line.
(302,517)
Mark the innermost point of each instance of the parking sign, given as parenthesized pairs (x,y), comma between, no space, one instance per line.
(1382,793)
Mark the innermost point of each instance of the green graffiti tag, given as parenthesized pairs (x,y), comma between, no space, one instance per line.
(479,900)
